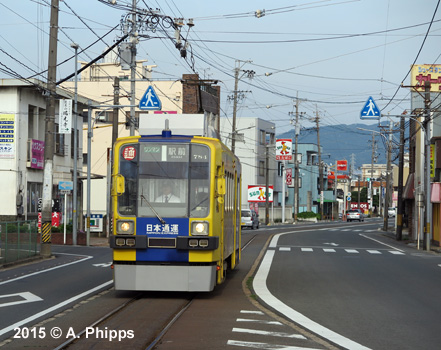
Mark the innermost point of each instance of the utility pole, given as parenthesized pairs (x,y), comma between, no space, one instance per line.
(75,170)
(133,39)
(370,189)
(267,186)
(321,194)
(235,97)
(388,180)
(428,211)
(233,132)
(115,110)
(46,227)
(296,163)
(399,231)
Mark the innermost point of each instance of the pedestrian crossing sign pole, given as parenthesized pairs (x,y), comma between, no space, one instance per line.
(370,110)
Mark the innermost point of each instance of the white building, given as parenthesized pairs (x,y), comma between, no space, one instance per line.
(252,137)
(22,136)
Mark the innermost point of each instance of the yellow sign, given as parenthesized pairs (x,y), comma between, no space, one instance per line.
(426,72)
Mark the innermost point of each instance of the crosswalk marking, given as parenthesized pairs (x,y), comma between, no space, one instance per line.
(347,250)
(266,346)
(329,250)
(273,334)
(258,321)
(251,312)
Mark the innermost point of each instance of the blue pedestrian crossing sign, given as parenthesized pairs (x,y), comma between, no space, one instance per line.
(370,110)
(150,100)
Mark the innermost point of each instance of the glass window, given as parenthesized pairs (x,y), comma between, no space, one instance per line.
(169,180)
(34,192)
(128,167)
(199,181)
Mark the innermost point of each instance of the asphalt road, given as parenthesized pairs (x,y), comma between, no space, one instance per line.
(353,286)
(318,286)
(37,291)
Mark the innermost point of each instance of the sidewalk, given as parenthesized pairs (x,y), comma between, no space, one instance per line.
(99,241)
(405,240)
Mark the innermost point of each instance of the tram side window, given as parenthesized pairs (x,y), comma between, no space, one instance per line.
(199,177)
(127,201)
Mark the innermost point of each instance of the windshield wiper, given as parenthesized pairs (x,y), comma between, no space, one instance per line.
(153,210)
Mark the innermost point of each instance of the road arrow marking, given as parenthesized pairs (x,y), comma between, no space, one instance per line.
(26,297)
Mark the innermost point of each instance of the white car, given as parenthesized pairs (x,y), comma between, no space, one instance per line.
(391,212)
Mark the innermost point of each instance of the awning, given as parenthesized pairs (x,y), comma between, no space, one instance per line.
(409,189)
(435,196)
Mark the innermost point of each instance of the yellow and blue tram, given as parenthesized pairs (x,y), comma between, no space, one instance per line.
(176,212)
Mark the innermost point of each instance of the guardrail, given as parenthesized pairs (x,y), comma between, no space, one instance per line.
(18,241)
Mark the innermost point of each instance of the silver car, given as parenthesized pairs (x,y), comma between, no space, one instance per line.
(249,218)
(354,214)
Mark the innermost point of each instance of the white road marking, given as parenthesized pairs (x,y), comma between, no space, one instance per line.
(329,250)
(272,334)
(394,252)
(251,312)
(351,251)
(53,308)
(86,257)
(259,321)
(261,289)
(26,297)
(266,346)
(387,245)
(284,249)
(102,265)
(374,251)
(307,250)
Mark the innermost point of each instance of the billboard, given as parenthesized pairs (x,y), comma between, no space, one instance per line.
(421,73)
(342,165)
(257,193)
(284,149)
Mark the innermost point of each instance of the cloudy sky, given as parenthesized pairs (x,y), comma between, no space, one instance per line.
(332,54)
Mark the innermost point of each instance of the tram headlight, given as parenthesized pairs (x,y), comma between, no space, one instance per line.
(125,227)
(199,228)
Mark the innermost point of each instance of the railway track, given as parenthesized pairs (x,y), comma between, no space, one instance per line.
(139,323)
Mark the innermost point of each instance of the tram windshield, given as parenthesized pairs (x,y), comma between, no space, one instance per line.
(169,180)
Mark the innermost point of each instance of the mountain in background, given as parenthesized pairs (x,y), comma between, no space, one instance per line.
(340,142)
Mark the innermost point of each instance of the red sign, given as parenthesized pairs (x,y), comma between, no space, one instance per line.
(363,206)
(289,176)
(129,153)
(56,218)
(342,165)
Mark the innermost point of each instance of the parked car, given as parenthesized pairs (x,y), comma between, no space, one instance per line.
(391,212)
(249,219)
(354,214)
